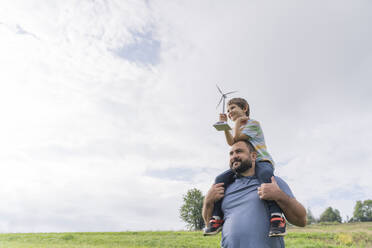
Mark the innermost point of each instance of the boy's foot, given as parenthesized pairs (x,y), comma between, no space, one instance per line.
(214,227)
(277,226)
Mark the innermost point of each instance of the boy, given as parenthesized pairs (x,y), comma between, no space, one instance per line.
(247,129)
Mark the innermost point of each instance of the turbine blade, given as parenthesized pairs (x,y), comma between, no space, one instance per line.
(220,102)
(231,92)
(219,89)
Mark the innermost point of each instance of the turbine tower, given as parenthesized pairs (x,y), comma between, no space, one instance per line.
(222,125)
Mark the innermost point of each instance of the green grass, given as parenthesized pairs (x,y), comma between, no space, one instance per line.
(313,236)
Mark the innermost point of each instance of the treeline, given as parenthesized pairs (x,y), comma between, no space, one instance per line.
(191,211)
(362,212)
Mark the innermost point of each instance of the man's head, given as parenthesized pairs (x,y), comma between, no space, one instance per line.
(242,158)
(237,107)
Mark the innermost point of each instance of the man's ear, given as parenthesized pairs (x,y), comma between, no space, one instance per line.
(254,156)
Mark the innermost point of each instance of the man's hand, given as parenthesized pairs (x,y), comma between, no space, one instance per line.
(292,209)
(269,191)
(215,193)
(223,117)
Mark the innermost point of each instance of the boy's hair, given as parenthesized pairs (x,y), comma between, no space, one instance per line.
(240,102)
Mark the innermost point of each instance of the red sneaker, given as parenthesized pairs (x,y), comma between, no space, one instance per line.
(277,226)
(214,227)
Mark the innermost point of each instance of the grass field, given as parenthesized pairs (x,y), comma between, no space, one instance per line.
(319,236)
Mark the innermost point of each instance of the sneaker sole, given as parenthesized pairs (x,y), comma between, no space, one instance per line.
(213,233)
(278,234)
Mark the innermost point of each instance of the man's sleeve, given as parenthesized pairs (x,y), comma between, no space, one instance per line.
(284,186)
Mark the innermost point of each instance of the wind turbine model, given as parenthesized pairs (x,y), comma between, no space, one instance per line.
(222,125)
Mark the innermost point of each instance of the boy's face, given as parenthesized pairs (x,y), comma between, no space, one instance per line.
(234,112)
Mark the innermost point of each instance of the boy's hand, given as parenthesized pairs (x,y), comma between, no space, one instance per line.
(223,117)
(241,121)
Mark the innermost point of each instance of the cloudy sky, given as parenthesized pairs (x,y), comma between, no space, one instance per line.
(107,107)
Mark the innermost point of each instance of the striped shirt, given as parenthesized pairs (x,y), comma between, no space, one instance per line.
(255,135)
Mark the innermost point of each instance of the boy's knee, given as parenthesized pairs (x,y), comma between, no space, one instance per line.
(226,177)
(265,175)
(219,179)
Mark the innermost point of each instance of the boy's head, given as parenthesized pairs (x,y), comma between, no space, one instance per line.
(241,103)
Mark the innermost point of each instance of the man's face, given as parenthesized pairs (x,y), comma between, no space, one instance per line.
(240,158)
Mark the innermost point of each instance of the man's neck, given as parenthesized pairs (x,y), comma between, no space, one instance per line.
(250,172)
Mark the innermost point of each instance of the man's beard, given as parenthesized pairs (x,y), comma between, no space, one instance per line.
(243,167)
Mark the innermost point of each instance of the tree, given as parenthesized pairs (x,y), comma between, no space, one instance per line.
(358,213)
(330,215)
(310,217)
(363,211)
(191,210)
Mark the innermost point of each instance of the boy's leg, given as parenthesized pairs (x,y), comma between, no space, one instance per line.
(215,224)
(264,172)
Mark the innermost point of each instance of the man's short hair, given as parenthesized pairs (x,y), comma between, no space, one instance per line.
(248,144)
(240,102)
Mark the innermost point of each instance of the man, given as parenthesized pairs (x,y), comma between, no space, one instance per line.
(245,212)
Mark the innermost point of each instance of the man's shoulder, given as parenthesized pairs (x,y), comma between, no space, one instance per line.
(277,178)
(284,186)
(280,180)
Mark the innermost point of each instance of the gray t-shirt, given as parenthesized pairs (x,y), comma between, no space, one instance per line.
(247,216)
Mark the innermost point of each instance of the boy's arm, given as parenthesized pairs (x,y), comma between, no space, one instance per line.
(238,135)
(229,138)
(228,135)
